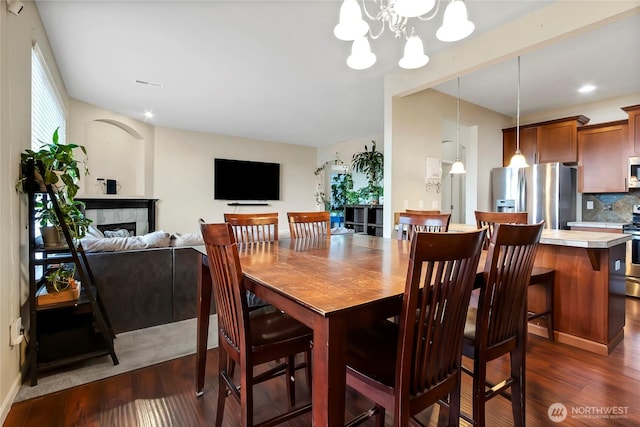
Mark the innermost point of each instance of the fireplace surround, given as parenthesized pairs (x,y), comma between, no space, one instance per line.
(110,213)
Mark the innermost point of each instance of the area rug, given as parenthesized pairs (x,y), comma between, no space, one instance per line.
(135,349)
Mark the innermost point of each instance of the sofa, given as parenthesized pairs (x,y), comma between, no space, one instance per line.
(145,286)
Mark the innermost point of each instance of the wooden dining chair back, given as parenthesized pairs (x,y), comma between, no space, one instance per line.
(498,326)
(309,224)
(409,224)
(541,277)
(249,338)
(490,219)
(423,366)
(253,227)
(422,212)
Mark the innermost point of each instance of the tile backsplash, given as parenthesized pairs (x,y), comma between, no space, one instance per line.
(609,207)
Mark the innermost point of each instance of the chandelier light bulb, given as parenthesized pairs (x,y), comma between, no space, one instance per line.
(414,56)
(455,24)
(351,25)
(361,56)
(413,8)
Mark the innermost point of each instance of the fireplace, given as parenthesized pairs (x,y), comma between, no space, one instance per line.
(136,215)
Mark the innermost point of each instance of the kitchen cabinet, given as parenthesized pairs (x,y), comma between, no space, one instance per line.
(545,142)
(602,158)
(634,129)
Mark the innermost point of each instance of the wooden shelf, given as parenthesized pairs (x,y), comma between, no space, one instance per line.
(365,219)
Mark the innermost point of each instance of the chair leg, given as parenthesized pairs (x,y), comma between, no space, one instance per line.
(307,356)
(517,358)
(549,288)
(246,394)
(290,372)
(479,394)
(454,404)
(222,385)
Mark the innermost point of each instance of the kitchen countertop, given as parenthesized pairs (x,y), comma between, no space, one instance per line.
(597,224)
(573,238)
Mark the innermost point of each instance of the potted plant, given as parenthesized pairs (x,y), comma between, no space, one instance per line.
(72,213)
(371,163)
(61,278)
(54,164)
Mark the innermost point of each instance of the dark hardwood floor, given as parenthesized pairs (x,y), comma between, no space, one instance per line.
(163,394)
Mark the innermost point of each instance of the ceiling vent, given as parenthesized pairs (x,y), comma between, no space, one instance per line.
(147,83)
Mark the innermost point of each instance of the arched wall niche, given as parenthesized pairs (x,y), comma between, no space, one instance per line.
(115,150)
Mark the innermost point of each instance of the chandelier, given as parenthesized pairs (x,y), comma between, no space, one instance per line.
(398,16)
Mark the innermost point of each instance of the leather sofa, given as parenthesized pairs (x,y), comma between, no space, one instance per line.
(147,287)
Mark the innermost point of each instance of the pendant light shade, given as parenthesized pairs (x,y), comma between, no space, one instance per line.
(351,25)
(414,56)
(518,160)
(455,24)
(458,166)
(361,56)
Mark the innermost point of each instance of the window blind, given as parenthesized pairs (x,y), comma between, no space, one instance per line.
(47,108)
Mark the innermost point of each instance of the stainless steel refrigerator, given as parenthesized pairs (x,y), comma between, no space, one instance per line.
(547,191)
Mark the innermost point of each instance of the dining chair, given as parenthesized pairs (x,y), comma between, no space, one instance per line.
(253,227)
(422,212)
(249,338)
(540,276)
(497,327)
(406,367)
(409,224)
(309,224)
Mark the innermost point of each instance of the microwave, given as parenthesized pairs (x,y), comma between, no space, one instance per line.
(634,172)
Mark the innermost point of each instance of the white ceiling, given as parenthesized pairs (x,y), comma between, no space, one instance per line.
(272,70)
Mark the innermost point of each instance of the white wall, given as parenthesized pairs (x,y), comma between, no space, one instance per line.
(418,134)
(184,177)
(118,147)
(17,33)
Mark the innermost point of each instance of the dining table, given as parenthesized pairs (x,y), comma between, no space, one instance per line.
(331,284)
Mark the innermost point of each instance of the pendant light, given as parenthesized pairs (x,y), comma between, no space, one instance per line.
(458,167)
(518,160)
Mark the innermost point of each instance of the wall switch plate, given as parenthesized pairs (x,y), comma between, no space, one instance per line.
(617,266)
(16,331)
(589,204)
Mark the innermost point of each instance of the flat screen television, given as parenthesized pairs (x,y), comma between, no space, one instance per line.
(246,180)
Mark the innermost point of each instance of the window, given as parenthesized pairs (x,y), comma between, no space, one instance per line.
(47,108)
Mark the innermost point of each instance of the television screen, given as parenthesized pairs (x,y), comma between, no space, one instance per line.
(245,180)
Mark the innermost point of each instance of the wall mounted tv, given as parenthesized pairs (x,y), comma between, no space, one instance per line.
(246,180)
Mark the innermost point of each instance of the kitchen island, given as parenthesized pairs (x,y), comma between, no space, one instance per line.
(589,287)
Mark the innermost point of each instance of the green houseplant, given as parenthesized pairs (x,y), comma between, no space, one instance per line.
(370,163)
(55,164)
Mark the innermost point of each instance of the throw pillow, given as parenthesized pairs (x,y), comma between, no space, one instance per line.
(187,239)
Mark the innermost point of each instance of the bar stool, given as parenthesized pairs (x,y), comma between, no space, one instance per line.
(540,276)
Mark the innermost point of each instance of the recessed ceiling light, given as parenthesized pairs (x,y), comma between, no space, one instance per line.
(148,115)
(587,88)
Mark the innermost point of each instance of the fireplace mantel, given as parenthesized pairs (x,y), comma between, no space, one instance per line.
(122,203)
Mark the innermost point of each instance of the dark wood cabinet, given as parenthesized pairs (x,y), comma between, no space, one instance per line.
(365,219)
(545,142)
(634,129)
(602,158)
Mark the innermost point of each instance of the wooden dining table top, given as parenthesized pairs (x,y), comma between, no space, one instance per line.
(329,275)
